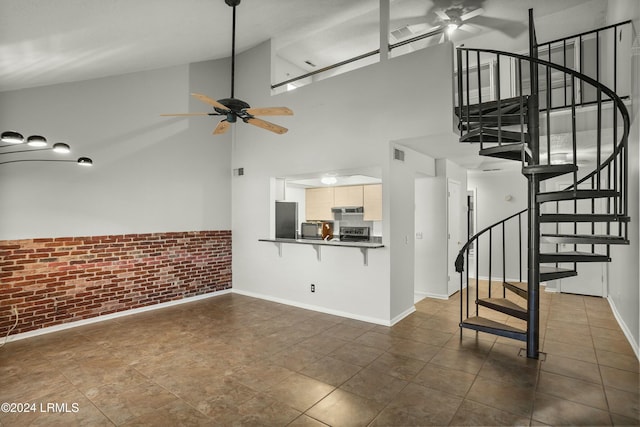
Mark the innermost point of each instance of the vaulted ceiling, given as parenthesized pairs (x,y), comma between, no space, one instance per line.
(44,42)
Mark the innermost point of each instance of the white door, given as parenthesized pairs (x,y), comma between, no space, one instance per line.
(591,278)
(454,241)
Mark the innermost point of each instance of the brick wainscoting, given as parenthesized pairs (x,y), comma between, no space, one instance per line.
(59,280)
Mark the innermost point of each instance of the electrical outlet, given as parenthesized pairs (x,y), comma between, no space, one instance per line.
(313,287)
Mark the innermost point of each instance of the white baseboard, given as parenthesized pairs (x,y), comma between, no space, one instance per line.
(320,309)
(625,328)
(508,279)
(432,295)
(402,315)
(97,319)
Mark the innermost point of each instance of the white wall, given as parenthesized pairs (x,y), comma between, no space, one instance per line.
(403,215)
(339,123)
(623,271)
(150,173)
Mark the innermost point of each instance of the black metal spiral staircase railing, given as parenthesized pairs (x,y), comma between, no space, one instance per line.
(590,215)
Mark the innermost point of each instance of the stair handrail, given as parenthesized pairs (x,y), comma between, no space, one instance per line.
(459,263)
(614,97)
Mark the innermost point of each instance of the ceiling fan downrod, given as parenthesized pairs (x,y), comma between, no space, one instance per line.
(233,4)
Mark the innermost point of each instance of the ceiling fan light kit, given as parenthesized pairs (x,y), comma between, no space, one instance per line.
(232,108)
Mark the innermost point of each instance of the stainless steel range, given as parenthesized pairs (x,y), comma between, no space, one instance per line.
(355,234)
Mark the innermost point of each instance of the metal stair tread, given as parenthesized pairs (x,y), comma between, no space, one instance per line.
(519,288)
(583,218)
(589,239)
(549,171)
(492,105)
(552,196)
(492,119)
(504,305)
(492,135)
(490,326)
(573,256)
(506,151)
(553,273)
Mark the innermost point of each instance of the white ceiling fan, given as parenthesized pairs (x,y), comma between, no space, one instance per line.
(448,16)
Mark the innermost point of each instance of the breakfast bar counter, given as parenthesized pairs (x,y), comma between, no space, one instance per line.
(364,246)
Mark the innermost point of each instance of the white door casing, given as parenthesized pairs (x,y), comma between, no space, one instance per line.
(454,233)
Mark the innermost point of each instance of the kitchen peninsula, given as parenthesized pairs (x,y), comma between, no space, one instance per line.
(374,243)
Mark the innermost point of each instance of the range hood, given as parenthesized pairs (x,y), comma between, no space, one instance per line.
(348,210)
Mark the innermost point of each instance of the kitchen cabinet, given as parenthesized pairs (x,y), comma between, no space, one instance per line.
(372,202)
(350,195)
(318,204)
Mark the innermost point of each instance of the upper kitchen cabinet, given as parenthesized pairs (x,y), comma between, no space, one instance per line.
(351,195)
(318,204)
(372,202)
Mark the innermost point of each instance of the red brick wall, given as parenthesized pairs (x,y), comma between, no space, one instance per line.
(60,280)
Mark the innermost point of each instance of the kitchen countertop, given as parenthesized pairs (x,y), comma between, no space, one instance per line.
(366,244)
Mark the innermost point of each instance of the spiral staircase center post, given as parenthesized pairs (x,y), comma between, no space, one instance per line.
(533,276)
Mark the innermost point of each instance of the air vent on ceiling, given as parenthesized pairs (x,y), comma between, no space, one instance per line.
(398,154)
(309,63)
(402,33)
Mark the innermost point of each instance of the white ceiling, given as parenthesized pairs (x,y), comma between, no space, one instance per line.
(44,42)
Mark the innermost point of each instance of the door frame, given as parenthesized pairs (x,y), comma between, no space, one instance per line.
(453,282)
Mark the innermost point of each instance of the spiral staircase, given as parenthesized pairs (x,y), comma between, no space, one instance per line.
(553,102)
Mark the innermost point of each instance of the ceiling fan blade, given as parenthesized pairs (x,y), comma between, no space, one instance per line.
(266,125)
(442,15)
(222,127)
(469,15)
(509,27)
(270,111)
(207,100)
(468,29)
(185,114)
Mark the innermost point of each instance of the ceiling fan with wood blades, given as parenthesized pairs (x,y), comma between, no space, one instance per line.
(232,108)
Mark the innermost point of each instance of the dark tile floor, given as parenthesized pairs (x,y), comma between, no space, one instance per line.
(235,360)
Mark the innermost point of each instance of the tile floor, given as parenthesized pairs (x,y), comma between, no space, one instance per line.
(235,360)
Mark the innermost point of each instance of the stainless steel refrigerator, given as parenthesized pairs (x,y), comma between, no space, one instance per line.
(286,220)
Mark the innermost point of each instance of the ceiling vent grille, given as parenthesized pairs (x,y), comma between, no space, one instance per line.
(398,154)
(402,33)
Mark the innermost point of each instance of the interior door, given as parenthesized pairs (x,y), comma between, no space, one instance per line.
(454,241)
(591,278)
